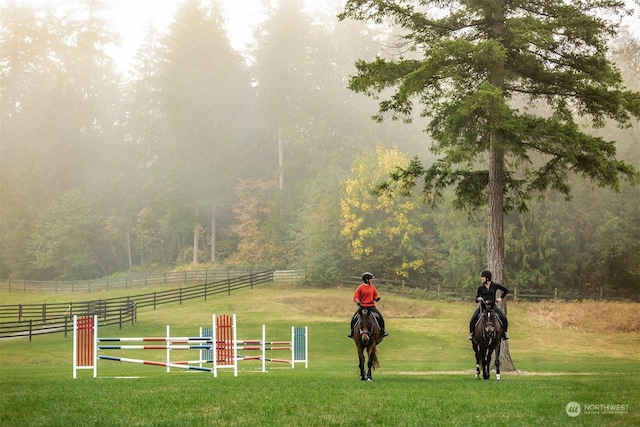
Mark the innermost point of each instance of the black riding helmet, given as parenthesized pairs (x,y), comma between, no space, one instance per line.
(367,276)
(486,273)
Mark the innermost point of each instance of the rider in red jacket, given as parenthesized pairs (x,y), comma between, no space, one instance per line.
(366,295)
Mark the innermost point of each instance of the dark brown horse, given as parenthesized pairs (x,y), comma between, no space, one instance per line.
(487,337)
(367,335)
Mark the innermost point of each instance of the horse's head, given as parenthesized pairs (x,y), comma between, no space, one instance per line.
(365,329)
(488,320)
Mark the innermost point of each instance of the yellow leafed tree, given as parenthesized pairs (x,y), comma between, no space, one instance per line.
(386,233)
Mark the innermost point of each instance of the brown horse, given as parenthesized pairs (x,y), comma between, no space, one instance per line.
(367,335)
(487,337)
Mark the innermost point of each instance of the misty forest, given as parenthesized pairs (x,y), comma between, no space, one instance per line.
(275,157)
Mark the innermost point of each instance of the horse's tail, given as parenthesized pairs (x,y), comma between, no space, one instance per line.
(374,359)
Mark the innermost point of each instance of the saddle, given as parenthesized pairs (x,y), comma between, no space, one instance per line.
(497,317)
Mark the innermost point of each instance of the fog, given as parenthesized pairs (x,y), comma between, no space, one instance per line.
(179,133)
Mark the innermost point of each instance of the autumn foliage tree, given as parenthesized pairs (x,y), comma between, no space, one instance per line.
(385,233)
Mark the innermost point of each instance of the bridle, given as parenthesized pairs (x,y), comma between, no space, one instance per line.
(365,334)
(489,327)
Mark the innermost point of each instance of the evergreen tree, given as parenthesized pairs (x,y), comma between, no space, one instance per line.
(204,88)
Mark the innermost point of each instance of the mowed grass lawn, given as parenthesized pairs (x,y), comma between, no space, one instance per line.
(584,352)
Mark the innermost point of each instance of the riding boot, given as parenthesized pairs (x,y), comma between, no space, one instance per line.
(472,324)
(382,328)
(353,323)
(505,326)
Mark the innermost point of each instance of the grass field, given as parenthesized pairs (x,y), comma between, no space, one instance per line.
(579,352)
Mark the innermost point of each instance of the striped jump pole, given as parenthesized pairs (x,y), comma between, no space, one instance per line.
(151,362)
(297,346)
(202,343)
(167,343)
(85,332)
(153,347)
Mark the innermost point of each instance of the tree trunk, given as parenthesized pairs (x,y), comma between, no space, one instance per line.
(213,233)
(506,364)
(128,243)
(195,243)
(280,160)
(495,242)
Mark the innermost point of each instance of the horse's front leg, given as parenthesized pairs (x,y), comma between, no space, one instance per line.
(361,364)
(498,363)
(369,364)
(476,351)
(486,364)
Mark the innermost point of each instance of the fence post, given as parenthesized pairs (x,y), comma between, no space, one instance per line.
(154,300)
(30,329)
(180,296)
(555,294)
(515,294)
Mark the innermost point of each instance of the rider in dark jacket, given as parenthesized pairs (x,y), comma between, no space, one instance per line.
(487,293)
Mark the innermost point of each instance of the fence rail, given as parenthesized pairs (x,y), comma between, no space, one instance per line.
(127,282)
(438,291)
(35,319)
(23,320)
(110,313)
